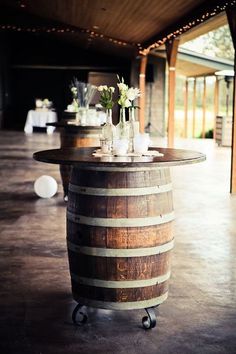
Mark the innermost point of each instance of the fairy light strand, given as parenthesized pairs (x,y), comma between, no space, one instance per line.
(93,35)
(65,30)
(184,28)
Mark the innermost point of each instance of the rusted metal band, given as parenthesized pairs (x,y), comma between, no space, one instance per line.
(120,191)
(121,305)
(120,283)
(120,252)
(120,222)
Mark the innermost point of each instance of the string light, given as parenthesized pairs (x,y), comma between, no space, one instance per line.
(92,34)
(66,30)
(201,18)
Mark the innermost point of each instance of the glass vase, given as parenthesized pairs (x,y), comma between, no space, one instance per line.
(133,128)
(81,116)
(122,128)
(108,132)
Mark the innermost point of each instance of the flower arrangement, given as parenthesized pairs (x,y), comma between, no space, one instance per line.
(74,92)
(132,94)
(43,103)
(123,100)
(127,94)
(82,92)
(74,106)
(46,102)
(106,96)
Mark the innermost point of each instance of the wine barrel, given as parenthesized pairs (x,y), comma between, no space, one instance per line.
(76,136)
(119,236)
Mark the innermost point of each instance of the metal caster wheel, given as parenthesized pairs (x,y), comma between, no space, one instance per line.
(149,321)
(83,317)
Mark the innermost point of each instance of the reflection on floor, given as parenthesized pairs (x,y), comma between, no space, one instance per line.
(35,298)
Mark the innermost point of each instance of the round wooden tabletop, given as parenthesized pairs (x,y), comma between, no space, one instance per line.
(83,157)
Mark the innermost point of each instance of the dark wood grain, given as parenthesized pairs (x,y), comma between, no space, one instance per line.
(118,268)
(84,157)
(120,295)
(106,179)
(121,237)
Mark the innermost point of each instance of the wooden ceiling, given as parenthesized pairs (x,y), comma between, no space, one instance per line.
(108,25)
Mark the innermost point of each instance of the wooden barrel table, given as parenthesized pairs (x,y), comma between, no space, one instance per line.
(119,228)
(73,135)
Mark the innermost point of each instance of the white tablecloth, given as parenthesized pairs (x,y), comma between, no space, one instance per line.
(39,118)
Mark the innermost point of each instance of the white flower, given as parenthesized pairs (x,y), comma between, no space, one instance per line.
(102,88)
(127,103)
(122,86)
(73,89)
(112,89)
(133,93)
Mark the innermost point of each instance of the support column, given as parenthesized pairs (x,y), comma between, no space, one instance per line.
(142,87)
(216,104)
(231,15)
(194,106)
(171,53)
(186,109)
(204,109)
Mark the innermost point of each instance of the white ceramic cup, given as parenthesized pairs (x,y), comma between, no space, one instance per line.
(141,143)
(120,147)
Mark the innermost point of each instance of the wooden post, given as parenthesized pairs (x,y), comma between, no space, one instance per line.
(204,109)
(142,86)
(231,15)
(216,104)
(186,109)
(171,53)
(194,105)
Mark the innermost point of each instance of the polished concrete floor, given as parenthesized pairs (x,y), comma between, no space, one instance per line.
(35,297)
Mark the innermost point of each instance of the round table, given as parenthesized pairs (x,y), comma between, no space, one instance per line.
(74,135)
(119,227)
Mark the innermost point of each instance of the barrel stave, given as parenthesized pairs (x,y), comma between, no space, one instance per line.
(119,268)
(111,197)
(120,295)
(123,237)
(105,179)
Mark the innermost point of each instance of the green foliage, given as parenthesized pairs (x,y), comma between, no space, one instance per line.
(220,42)
(106,96)
(216,43)
(208,134)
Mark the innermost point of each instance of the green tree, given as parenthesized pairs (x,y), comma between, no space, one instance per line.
(216,43)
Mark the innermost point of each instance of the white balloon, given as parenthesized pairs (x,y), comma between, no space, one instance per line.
(45,186)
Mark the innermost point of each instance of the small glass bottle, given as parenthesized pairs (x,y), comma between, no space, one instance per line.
(108,131)
(133,128)
(122,128)
(75,104)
